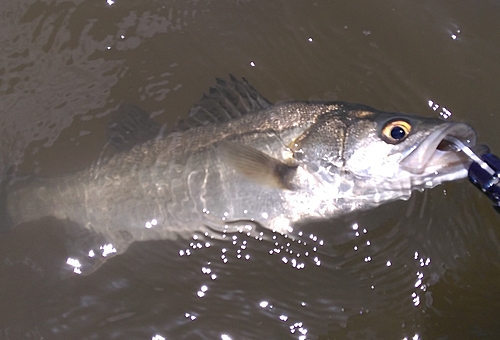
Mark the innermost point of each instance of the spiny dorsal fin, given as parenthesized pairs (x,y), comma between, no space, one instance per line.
(131,126)
(225,101)
(257,166)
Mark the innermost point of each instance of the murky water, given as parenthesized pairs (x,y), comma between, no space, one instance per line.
(428,268)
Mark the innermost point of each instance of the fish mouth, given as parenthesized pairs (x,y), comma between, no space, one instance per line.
(437,154)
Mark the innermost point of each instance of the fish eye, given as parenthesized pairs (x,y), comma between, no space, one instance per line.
(396,131)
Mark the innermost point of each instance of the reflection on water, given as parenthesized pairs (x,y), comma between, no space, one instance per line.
(423,269)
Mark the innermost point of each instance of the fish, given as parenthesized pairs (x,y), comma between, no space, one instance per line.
(239,162)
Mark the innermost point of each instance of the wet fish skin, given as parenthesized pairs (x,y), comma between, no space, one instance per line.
(158,179)
(286,164)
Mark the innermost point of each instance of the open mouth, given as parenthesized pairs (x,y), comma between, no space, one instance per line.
(441,150)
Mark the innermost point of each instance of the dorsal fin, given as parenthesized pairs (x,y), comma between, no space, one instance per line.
(131,126)
(225,101)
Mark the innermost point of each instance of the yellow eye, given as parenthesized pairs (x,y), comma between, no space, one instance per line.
(396,131)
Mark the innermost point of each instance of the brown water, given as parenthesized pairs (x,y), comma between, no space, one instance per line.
(428,268)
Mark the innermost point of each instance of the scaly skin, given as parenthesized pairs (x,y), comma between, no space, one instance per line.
(171,186)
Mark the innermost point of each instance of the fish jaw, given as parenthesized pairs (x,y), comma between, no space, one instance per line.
(377,172)
(434,161)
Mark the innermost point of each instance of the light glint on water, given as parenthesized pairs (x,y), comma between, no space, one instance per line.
(444,112)
(190,316)
(75,264)
(107,249)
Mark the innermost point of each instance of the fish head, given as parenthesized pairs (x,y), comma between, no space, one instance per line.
(404,149)
(381,156)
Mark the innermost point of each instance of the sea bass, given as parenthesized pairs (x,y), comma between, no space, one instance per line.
(236,162)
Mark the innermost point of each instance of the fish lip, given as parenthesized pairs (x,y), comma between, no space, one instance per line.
(427,156)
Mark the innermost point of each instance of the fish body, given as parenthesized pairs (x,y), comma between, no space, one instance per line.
(240,161)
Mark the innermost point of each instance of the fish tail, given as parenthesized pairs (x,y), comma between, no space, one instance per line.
(22,200)
(5,219)
(27,203)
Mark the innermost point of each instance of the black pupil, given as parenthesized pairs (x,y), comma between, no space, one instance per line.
(397,133)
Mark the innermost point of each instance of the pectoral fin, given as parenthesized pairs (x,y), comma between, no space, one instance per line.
(257,166)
